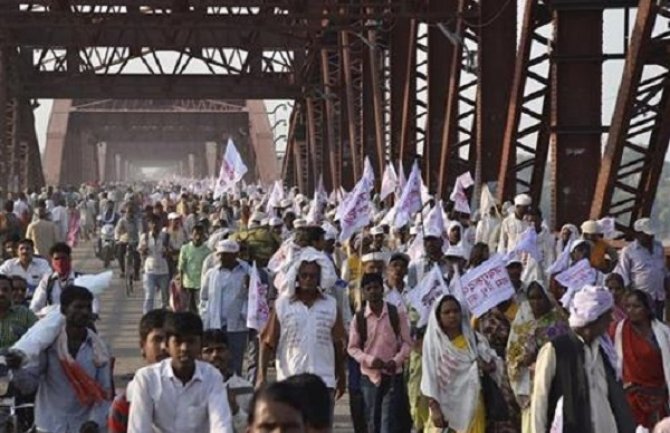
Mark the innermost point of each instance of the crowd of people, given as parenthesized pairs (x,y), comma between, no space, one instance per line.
(258,315)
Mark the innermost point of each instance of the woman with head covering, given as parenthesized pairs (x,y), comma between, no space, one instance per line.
(479,253)
(453,356)
(569,233)
(539,321)
(643,348)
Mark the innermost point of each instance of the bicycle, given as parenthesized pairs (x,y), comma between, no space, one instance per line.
(11,419)
(131,257)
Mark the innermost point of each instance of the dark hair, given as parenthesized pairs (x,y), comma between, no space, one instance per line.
(4,277)
(214,336)
(372,278)
(60,247)
(444,299)
(74,293)
(400,256)
(314,234)
(198,228)
(154,219)
(315,399)
(9,206)
(182,323)
(26,241)
(280,392)
(477,253)
(154,319)
(535,211)
(540,286)
(644,299)
(18,278)
(615,276)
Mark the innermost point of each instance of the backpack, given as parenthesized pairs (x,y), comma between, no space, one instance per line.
(362,324)
(50,287)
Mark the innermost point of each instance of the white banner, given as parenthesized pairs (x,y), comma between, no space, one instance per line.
(578,275)
(410,201)
(430,289)
(258,309)
(486,286)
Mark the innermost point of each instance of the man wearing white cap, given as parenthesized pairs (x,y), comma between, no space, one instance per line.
(514,225)
(223,300)
(378,240)
(603,256)
(178,238)
(642,264)
(432,244)
(578,368)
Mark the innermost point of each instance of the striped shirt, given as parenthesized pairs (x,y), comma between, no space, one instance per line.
(118,415)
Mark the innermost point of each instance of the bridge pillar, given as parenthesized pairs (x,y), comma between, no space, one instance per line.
(181,168)
(211,151)
(101,158)
(117,166)
(191,165)
(126,169)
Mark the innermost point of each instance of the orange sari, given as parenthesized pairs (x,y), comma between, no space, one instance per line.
(643,378)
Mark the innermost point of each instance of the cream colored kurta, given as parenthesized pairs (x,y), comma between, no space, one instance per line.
(545,370)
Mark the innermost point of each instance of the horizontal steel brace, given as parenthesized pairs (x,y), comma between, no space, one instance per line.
(137,86)
(61,29)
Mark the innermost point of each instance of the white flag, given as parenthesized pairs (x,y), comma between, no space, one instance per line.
(608,227)
(232,170)
(410,200)
(276,196)
(433,224)
(389,182)
(486,201)
(431,288)
(258,309)
(458,195)
(562,262)
(527,244)
(356,210)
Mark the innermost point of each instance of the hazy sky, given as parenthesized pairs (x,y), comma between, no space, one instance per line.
(612,76)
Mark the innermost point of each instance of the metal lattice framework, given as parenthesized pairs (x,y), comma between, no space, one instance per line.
(386,79)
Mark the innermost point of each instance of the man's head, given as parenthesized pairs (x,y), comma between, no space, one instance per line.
(397,267)
(521,204)
(315,402)
(378,237)
(372,286)
(316,237)
(433,246)
(154,222)
(591,312)
(183,333)
(309,276)
(514,270)
(109,206)
(76,304)
(215,350)
(198,235)
(152,336)
(8,206)
(228,251)
(644,231)
(9,249)
(60,254)
(5,292)
(454,233)
(534,218)
(276,407)
(591,230)
(373,263)
(26,250)
(19,289)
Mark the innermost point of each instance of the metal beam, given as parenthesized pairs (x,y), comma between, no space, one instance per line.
(58,85)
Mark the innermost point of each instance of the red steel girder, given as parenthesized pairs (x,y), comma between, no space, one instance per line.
(526,147)
(639,133)
(458,135)
(330,70)
(576,100)
(373,107)
(403,90)
(440,51)
(496,29)
(352,74)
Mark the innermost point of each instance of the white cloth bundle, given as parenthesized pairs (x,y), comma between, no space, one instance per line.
(41,335)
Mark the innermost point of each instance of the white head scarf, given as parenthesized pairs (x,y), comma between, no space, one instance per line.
(309,254)
(588,304)
(451,375)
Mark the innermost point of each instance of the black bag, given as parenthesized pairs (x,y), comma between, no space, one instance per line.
(494,400)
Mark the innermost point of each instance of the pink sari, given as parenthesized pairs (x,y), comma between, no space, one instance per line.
(73,227)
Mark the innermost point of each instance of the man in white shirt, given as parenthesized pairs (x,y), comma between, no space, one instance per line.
(514,225)
(60,218)
(180,394)
(223,300)
(579,368)
(27,266)
(642,265)
(154,247)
